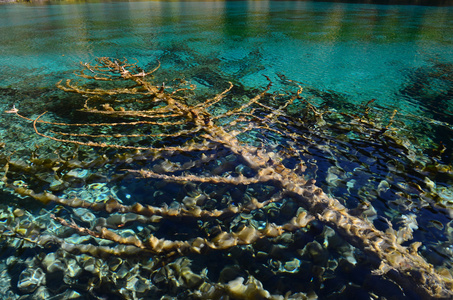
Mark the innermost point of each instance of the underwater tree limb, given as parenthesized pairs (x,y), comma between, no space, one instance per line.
(402,264)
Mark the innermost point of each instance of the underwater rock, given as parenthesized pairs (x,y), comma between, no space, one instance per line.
(288,208)
(230,273)
(42,293)
(84,214)
(5,283)
(18,212)
(78,173)
(71,294)
(114,263)
(30,279)
(73,270)
(137,284)
(272,210)
(286,238)
(78,239)
(253,289)
(6,217)
(52,264)
(189,202)
(89,264)
(123,271)
(291,266)
(317,253)
(335,242)
(335,176)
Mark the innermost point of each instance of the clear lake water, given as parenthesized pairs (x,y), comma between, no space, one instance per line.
(344,55)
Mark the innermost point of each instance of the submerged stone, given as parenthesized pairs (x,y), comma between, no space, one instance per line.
(30,279)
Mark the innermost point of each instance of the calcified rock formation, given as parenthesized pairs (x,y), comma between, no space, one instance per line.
(177,126)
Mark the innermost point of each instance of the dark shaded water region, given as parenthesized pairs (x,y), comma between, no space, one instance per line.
(280,150)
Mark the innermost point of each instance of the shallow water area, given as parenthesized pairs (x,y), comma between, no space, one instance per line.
(372,127)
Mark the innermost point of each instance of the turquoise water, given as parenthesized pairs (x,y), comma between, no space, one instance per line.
(343,55)
(362,50)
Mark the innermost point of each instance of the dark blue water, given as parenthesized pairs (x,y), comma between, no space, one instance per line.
(344,55)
